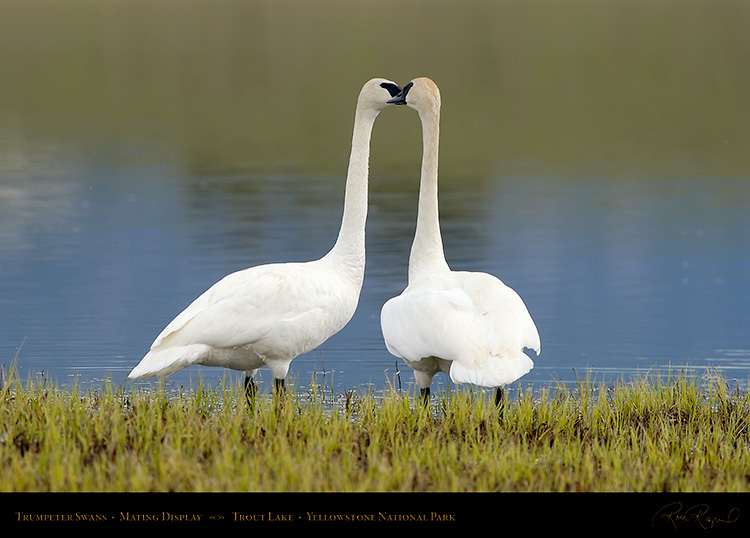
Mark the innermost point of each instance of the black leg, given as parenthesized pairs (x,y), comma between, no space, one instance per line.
(249,390)
(500,400)
(279,386)
(425,395)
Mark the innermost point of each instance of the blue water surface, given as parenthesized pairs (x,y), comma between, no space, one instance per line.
(622,275)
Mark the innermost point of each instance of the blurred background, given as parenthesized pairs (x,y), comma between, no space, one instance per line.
(594,156)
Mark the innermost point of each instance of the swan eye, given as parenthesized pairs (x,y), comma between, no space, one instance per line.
(393,89)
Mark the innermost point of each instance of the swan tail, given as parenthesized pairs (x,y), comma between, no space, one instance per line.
(497,372)
(162,362)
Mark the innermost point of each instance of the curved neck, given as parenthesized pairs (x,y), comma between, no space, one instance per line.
(427,249)
(349,249)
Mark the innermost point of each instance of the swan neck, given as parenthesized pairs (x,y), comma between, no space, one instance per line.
(427,249)
(349,250)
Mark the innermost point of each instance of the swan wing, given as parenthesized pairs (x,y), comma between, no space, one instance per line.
(502,327)
(275,312)
(299,302)
(471,319)
(500,313)
(229,312)
(428,322)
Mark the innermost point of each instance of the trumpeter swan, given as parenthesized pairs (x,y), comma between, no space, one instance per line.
(467,324)
(269,314)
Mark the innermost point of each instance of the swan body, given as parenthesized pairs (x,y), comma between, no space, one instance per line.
(269,314)
(469,325)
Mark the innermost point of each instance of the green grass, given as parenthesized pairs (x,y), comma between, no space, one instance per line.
(648,435)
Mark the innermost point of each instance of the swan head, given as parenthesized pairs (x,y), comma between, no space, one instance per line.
(377,93)
(420,94)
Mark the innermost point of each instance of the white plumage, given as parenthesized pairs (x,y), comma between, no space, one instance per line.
(269,314)
(469,325)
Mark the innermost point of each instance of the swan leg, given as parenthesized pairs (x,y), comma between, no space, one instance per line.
(249,390)
(500,400)
(279,385)
(425,395)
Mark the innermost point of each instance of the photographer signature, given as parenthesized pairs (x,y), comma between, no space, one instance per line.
(698,514)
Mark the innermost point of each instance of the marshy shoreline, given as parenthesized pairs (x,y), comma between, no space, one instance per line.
(676,448)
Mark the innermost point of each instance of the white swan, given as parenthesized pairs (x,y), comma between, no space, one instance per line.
(270,314)
(466,324)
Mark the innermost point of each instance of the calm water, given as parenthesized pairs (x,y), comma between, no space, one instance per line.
(135,172)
